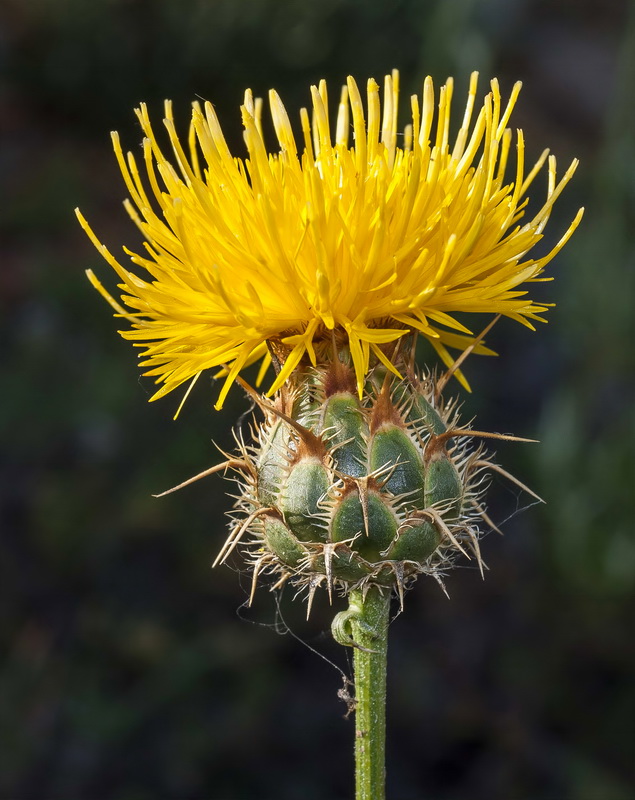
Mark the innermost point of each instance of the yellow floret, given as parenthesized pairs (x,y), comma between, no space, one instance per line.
(369,240)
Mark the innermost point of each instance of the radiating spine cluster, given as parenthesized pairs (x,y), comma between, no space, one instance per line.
(347,493)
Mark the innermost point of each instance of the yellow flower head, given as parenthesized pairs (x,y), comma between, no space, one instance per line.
(365,242)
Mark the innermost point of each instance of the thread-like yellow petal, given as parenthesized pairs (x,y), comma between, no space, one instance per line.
(360,241)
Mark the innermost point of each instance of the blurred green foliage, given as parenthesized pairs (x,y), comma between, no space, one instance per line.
(588,428)
(129,668)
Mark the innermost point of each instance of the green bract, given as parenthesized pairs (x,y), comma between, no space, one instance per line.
(351,492)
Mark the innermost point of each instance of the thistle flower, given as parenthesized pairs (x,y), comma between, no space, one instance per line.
(329,262)
(280,254)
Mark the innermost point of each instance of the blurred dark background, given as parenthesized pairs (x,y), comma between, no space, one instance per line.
(130,670)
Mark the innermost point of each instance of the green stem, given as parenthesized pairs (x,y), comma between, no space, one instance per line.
(365,627)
